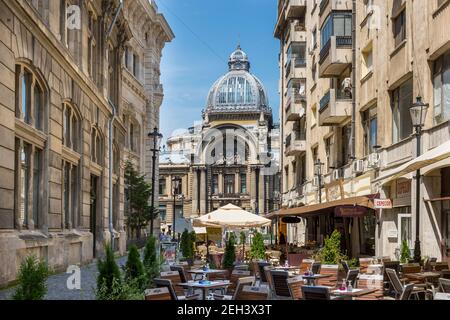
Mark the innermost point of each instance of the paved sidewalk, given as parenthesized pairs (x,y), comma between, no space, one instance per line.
(57,287)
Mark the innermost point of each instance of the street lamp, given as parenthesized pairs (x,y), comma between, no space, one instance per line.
(418,114)
(156,136)
(175,185)
(318,172)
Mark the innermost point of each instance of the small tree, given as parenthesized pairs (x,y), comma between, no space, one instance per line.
(230,253)
(109,274)
(331,252)
(134,269)
(243,238)
(139,191)
(405,253)
(193,239)
(32,279)
(186,244)
(258,250)
(151,263)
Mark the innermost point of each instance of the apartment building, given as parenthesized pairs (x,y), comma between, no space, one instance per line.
(349,73)
(66,99)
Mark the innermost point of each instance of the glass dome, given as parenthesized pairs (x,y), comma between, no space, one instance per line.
(238,90)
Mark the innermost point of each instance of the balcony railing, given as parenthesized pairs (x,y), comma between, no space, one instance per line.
(296,61)
(325,101)
(341,42)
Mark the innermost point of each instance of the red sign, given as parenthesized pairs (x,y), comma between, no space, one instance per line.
(349,211)
(382,203)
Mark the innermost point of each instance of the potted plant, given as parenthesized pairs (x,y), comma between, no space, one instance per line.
(405,252)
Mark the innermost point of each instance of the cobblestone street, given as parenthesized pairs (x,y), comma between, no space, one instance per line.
(57,285)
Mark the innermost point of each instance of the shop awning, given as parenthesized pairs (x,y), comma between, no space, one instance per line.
(430,157)
(361,201)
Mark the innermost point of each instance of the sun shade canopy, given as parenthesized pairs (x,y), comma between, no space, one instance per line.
(231,216)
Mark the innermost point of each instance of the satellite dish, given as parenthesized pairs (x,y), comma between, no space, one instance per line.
(290,219)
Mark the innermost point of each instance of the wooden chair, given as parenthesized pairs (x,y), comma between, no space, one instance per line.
(407,291)
(306,265)
(329,269)
(439,266)
(280,285)
(444,285)
(394,265)
(254,293)
(295,285)
(345,266)
(262,274)
(411,268)
(315,293)
(398,286)
(363,264)
(175,278)
(370,281)
(158,294)
(182,272)
(224,275)
(235,275)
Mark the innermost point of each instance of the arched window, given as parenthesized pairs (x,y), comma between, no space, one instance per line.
(96,146)
(30,98)
(71,128)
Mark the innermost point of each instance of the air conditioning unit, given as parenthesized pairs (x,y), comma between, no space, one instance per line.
(373,160)
(337,174)
(358,166)
(315,182)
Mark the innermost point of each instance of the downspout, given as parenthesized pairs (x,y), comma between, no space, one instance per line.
(353,138)
(110,209)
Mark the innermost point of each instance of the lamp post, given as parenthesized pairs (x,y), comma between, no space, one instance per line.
(156,136)
(318,172)
(418,113)
(175,185)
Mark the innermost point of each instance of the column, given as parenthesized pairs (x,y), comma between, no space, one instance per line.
(194,192)
(237,185)
(203,191)
(253,188)
(261,193)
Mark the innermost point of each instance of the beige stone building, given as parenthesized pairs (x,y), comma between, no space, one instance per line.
(350,71)
(230,156)
(68,99)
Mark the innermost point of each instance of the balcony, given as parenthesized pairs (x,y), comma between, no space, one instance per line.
(295,101)
(327,6)
(335,56)
(295,68)
(295,9)
(295,144)
(334,108)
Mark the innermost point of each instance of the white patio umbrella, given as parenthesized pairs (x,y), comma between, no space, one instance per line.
(231,216)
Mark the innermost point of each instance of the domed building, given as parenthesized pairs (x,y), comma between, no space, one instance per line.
(230,156)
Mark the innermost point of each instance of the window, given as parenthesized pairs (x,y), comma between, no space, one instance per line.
(71,128)
(314,38)
(402,98)
(296,54)
(441,85)
(41,7)
(30,99)
(70,193)
(399,28)
(337,24)
(116,206)
(367,226)
(215,184)
(345,143)
(229,184)
(367,60)
(177,187)
(162,186)
(243,178)
(136,65)
(404,229)
(162,212)
(96,146)
(328,163)
(92,46)
(28,168)
(369,119)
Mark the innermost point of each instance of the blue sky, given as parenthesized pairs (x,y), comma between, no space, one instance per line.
(206,32)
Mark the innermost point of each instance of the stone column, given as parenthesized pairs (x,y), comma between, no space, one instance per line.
(253,188)
(203,191)
(261,193)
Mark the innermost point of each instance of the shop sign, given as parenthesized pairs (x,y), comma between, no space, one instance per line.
(382,203)
(404,189)
(350,211)
(392,233)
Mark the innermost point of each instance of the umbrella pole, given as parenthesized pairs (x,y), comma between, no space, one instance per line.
(207,247)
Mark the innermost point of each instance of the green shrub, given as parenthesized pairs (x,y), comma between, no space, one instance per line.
(32,279)
(120,290)
(151,264)
(230,253)
(405,253)
(242,237)
(331,252)
(257,250)
(134,269)
(109,274)
(186,244)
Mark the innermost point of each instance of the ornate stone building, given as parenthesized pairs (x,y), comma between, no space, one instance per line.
(231,156)
(66,103)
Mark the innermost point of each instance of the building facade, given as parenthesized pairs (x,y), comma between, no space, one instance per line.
(349,73)
(230,156)
(66,96)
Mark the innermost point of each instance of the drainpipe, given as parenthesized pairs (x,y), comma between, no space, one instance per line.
(353,138)
(110,209)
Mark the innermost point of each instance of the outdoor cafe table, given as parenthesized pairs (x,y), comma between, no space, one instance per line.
(205,287)
(312,278)
(354,293)
(205,272)
(423,276)
(442,296)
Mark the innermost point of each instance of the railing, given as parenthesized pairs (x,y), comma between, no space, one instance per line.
(295,60)
(325,100)
(294,96)
(325,51)
(343,41)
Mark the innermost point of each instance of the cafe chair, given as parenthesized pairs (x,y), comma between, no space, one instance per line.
(175,278)
(398,286)
(316,267)
(407,291)
(254,293)
(262,274)
(315,293)
(351,277)
(280,284)
(444,285)
(166,283)
(158,294)
(345,266)
(306,265)
(445,274)
(295,285)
